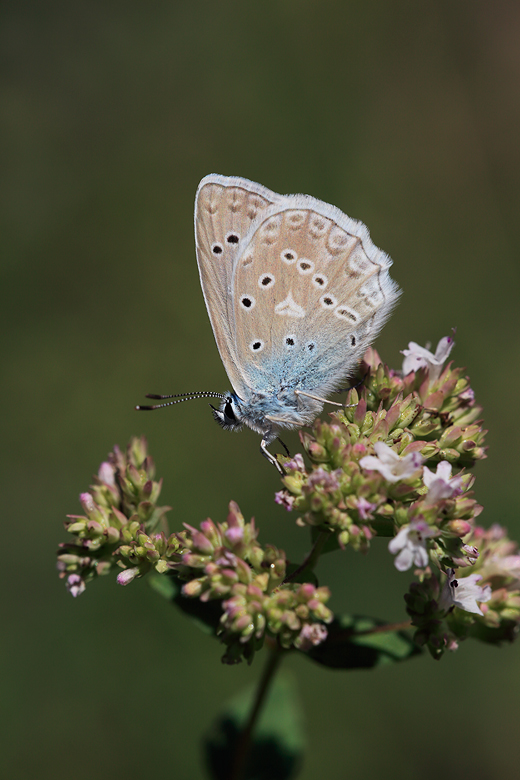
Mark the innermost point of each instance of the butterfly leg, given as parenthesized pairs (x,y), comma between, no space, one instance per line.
(284,445)
(354,387)
(265,452)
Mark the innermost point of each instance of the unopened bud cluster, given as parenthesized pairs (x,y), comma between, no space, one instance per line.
(120,523)
(224,561)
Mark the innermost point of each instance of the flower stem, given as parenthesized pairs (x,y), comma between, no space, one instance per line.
(385,627)
(310,561)
(244,741)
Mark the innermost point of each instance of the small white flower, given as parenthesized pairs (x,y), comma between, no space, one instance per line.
(472,553)
(75,585)
(365,508)
(416,357)
(441,484)
(464,592)
(390,464)
(311,635)
(468,396)
(410,544)
(284,499)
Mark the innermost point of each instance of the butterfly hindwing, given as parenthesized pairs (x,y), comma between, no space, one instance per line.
(310,292)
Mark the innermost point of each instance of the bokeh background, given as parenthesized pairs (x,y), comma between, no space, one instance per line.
(405,115)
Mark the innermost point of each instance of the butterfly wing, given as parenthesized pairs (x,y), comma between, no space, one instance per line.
(225,208)
(310,293)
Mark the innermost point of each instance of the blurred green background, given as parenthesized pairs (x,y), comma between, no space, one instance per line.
(405,115)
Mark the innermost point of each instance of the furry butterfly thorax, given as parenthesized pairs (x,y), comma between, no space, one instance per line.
(295,291)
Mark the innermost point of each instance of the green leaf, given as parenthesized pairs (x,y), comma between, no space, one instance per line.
(277,742)
(348,647)
(206,614)
(164,585)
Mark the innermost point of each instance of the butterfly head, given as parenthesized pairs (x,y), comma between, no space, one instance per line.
(228,415)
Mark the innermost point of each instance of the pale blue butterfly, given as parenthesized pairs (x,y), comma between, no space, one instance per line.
(295,291)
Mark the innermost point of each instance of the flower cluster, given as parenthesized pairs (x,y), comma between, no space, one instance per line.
(443,605)
(393,463)
(384,466)
(120,523)
(224,561)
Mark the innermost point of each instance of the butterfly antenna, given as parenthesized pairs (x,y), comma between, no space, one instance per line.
(180,398)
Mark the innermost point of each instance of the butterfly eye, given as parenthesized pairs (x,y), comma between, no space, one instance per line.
(247,302)
(288,256)
(256,345)
(266,280)
(217,249)
(320,281)
(328,301)
(305,266)
(229,413)
(232,238)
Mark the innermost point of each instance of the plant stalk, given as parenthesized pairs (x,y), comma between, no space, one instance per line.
(310,561)
(244,741)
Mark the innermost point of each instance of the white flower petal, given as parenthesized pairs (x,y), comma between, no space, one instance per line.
(410,543)
(464,593)
(371,463)
(417,357)
(404,560)
(444,470)
(390,464)
(444,348)
(441,484)
(386,453)
(399,541)
(420,557)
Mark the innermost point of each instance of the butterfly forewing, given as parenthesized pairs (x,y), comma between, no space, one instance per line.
(225,208)
(310,292)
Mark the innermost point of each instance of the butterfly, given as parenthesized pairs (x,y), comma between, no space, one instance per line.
(295,291)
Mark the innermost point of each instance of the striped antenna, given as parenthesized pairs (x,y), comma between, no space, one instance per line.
(180,398)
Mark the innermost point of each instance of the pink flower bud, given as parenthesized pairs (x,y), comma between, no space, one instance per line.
(125,577)
(459,527)
(192,588)
(234,534)
(106,473)
(87,502)
(307,590)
